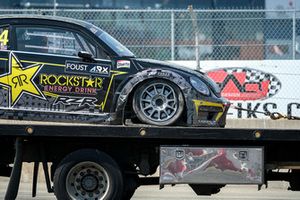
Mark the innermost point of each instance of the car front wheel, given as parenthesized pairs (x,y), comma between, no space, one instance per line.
(158,102)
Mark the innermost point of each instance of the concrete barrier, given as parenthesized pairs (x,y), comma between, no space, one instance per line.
(263,123)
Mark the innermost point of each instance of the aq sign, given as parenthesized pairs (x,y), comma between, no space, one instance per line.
(245,83)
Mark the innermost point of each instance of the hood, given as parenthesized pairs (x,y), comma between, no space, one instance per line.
(151,63)
(157,63)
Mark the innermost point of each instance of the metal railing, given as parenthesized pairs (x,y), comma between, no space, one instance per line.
(222,34)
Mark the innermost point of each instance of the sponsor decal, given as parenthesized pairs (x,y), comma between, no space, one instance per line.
(19,80)
(4,37)
(96,69)
(166,74)
(67,80)
(123,64)
(81,101)
(245,83)
(100,69)
(159,73)
(71,84)
(65,89)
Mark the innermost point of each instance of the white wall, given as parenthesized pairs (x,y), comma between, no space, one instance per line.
(285,101)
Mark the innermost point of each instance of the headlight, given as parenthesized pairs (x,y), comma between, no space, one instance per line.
(199,85)
(214,85)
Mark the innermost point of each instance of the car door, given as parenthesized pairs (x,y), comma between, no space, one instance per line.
(54,78)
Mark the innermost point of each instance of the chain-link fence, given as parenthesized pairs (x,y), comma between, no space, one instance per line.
(222,34)
(252,54)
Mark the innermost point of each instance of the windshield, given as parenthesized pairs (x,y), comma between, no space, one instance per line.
(115,45)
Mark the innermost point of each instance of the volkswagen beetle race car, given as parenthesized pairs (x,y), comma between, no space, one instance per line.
(60,69)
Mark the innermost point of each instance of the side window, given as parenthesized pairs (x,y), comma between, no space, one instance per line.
(53,41)
(4,38)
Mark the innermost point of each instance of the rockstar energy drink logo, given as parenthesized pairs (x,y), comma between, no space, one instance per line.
(71,81)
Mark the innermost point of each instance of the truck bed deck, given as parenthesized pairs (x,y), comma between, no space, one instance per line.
(50,129)
(48,142)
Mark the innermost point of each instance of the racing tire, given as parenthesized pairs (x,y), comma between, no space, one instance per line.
(88,174)
(158,102)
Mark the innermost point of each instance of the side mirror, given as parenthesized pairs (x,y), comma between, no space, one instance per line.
(86,56)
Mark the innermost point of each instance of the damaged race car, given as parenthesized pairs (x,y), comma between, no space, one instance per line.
(60,69)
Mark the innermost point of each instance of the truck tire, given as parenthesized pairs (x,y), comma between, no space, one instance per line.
(158,102)
(88,174)
(130,185)
(206,190)
(295,180)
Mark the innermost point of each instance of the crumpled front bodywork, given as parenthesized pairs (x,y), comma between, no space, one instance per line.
(208,113)
(200,110)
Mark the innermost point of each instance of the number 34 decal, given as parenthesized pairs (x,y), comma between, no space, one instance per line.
(4,37)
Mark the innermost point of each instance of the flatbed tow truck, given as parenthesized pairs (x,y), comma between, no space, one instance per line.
(205,158)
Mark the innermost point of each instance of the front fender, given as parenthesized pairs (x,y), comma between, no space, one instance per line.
(142,76)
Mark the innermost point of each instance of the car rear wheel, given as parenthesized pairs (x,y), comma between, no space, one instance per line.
(158,102)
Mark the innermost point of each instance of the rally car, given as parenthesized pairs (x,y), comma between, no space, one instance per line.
(60,69)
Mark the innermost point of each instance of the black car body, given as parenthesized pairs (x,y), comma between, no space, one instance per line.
(60,69)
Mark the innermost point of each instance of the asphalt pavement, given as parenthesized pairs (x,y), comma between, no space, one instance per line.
(276,191)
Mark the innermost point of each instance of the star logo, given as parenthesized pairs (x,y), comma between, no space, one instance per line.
(89,82)
(19,80)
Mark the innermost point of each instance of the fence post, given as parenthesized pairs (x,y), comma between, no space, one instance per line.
(172,36)
(196,32)
(294,35)
(54,7)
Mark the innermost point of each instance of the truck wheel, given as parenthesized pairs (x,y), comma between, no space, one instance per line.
(295,180)
(130,185)
(88,174)
(202,189)
(158,102)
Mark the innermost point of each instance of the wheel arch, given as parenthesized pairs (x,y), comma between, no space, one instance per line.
(126,94)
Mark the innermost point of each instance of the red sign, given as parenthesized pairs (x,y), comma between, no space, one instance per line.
(245,83)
